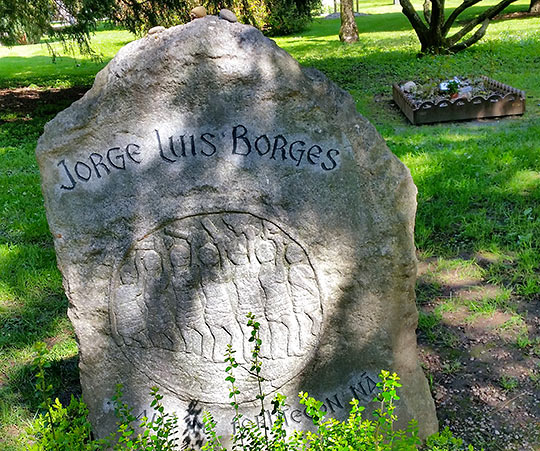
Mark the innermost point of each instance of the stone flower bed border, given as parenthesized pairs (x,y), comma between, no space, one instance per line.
(505,101)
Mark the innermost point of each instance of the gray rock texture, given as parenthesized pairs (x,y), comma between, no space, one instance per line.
(206,175)
(227,14)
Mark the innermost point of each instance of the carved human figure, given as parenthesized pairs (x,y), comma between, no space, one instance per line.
(189,311)
(160,320)
(130,314)
(304,291)
(218,309)
(284,330)
(249,293)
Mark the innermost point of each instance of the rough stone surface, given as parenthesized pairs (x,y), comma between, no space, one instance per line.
(227,14)
(206,175)
(155,30)
(198,12)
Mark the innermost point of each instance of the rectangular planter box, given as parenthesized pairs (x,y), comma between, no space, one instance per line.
(507,101)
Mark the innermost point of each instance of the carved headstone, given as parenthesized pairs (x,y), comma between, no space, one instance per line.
(207,175)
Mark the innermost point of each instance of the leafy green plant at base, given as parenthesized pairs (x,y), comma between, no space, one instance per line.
(67,428)
(72,431)
(59,428)
(445,441)
(62,428)
(158,433)
(355,433)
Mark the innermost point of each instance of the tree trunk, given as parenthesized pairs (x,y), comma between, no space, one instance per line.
(349,31)
(534,8)
(335,6)
(433,34)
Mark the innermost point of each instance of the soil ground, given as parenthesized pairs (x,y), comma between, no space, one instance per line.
(484,380)
(26,101)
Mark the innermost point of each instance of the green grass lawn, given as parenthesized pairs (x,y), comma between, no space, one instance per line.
(478,183)
(33,65)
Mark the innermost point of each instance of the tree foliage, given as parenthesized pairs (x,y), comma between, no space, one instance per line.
(434,31)
(26,21)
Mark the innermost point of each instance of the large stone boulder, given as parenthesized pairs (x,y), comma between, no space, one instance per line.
(206,175)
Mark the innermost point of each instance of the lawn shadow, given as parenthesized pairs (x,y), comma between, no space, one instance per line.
(62,375)
(480,380)
(32,301)
(32,103)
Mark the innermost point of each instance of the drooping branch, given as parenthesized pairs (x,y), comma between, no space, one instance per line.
(474,38)
(488,14)
(452,18)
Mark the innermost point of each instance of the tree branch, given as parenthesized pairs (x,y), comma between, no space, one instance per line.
(474,38)
(415,20)
(437,17)
(452,18)
(486,15)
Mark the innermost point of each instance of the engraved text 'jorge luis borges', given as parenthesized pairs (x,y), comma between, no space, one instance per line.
(180,147)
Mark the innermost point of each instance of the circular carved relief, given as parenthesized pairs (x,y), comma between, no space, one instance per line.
(182,294)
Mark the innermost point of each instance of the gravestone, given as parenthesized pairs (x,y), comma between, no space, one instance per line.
(206,175)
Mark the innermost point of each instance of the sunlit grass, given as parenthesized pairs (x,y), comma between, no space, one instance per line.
(33,65)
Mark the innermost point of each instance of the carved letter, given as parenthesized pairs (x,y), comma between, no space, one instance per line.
(81,176)
(355,393)
(236,137)
(311,155)
(161,153)
(329,156)
(207,141)
(301,151)
(331,403)
(296,415)
(281,147)
(120,157)
(266,140)
(192,140)
(134,152)
(371,386)
(70,177)
(97,163)
(171,147)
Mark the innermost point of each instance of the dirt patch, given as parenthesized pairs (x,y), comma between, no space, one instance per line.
(516,15)
(484,380)
(26,101)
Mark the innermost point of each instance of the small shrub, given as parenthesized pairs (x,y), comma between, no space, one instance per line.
(62,428)
(509,383)
(355,433)
(445,441)
(58,428)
